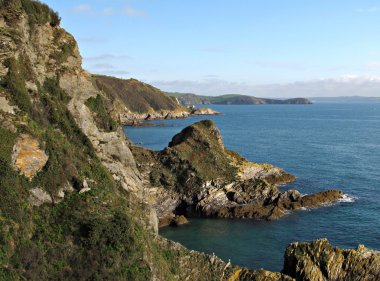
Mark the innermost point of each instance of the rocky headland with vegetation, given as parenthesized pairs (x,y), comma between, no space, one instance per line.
(77,199)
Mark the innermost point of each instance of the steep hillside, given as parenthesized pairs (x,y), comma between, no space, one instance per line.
(192,99)
(73,203)
(130,101)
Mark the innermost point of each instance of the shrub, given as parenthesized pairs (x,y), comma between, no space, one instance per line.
(15,83)
(102,118)
(40,13)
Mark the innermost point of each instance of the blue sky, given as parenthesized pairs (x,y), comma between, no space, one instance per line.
(224,46)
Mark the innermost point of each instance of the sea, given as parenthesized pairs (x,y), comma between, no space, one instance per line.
(325,145)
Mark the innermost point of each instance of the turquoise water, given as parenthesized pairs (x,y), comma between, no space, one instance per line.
(325,145)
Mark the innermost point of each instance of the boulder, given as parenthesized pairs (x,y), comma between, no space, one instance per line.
(27,156)
(320,261)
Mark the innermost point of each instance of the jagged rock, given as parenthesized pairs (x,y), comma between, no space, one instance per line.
(179,220)
(27,156)
(320,261)
(39,196)
(84,190)
(212,181)
(204,111)
(5,106)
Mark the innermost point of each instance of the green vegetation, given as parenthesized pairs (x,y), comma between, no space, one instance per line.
(102,118)
(192,99)
(199,144)
(14,82)
(38,13)
(136,96)
(65,51)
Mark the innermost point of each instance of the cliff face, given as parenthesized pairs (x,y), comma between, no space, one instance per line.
(70,192)
(71,204)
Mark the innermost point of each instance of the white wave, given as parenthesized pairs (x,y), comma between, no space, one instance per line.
(347,199)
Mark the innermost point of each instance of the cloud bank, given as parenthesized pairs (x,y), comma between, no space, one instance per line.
(348,85)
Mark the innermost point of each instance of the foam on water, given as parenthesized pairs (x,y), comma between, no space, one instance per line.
(347,199)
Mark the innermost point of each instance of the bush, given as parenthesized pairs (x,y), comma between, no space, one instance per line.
(102,118)
(40,13)
(15,83)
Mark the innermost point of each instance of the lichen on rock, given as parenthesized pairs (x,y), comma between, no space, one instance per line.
(28,157)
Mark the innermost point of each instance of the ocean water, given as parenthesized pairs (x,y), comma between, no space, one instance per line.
(325,146)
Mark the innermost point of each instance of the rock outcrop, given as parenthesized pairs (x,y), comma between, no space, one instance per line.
(320,261)
(197,176)
(27,156)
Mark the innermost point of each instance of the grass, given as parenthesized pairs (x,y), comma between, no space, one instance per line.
(102,118)
(138,97)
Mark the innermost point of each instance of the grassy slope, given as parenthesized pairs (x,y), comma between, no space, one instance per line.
(137,96)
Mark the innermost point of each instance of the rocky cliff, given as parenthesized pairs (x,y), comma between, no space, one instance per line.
(320,261)
(197,176)
(73,203)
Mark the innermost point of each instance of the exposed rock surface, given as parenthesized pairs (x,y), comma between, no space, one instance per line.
(39,196)
(204,111)
(320,261)
(197,176)
(27,156)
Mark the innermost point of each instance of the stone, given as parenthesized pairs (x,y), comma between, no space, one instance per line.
(27,156)
(84,190)
(320,261)
(39,196)
(178,221)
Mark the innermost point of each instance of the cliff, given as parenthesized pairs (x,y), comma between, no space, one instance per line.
(191,99)
(73,203)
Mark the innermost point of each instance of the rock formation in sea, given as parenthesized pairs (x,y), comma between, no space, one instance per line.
(196,175)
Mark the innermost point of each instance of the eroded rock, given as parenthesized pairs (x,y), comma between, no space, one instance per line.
(28,157)
(39,196)
(206,179)
(320,261)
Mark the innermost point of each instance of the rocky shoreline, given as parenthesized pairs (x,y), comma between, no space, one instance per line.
(196,176)
(80,202)
(139,120)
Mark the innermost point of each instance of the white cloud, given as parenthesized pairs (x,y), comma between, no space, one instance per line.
(131,12)
(106,66)
(106,57)
(108,11)
(81,9)
(369,10)
(346,85)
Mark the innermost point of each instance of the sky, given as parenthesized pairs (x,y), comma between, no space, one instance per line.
(275,48)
